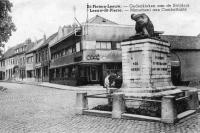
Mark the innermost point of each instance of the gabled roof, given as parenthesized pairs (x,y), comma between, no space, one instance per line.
(36,46)
(30,46)
(9,52)
(48,40)
(182,42)
(100,20)
(94,20)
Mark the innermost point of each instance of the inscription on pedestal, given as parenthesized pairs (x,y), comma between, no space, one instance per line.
(146,63)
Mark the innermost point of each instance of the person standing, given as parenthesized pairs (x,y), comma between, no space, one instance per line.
(107,82)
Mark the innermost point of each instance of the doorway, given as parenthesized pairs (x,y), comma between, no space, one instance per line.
(94,76)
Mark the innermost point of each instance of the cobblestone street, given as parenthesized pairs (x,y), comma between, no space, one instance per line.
(29,108)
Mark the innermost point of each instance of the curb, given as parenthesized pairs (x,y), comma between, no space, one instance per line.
(75,88)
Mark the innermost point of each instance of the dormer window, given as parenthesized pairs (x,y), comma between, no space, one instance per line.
(17,51)
(104,20)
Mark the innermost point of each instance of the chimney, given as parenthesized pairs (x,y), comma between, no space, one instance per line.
(44,37)
(28,41)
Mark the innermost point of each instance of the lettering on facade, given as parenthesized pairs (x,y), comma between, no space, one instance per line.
(93,57)
(135,69)
(135,63)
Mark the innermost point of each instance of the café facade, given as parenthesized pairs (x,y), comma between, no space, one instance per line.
(88,53)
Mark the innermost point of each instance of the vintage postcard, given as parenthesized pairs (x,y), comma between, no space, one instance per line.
(99,66)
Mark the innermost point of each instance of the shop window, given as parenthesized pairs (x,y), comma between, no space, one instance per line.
(71,71)
(57,73)
(45,71)
(103,45)
(66,72)
(82,71)
(62,73)
(113,66)
(73,74)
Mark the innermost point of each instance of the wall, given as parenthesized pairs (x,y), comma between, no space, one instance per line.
(106,32)
(30,66)
(65,60)
(8,67)
(2,65)
(190,63)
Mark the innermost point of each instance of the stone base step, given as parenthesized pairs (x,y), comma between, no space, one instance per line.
(149,94)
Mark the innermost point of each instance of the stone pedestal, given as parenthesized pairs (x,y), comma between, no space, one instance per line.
(193,102)
(81,102)
(146,67)
(118,105)
(168,109)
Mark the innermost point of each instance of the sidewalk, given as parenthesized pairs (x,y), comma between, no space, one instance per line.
(76,88)
(62,87)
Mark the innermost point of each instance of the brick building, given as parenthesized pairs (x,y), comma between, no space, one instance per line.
(30,61)
(42,60)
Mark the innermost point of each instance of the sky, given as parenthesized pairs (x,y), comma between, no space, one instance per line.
(34,18)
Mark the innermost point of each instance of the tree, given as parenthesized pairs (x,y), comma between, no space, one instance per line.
(6,24)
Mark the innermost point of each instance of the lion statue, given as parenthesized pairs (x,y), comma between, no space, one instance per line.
(144,26)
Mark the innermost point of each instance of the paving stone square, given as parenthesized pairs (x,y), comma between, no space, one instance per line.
(36,109)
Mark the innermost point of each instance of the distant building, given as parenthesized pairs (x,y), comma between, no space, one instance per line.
(42,60)
(88,53)
(15,61)
(9,63)
(185,58)
(2,68)
(30,61)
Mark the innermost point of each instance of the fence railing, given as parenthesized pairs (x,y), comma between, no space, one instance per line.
(100,95)
(169,104)
(140,99)
(182,98)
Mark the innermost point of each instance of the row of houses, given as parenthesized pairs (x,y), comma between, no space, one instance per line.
(79,55)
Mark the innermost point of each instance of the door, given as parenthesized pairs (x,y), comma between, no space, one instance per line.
(176,75)
(94,73)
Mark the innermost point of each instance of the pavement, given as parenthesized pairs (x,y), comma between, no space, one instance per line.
(62,87)
(36,109)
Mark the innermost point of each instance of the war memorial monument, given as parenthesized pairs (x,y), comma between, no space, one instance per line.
(146,71)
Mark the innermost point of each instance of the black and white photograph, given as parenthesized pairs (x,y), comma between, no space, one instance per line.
(99,66)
